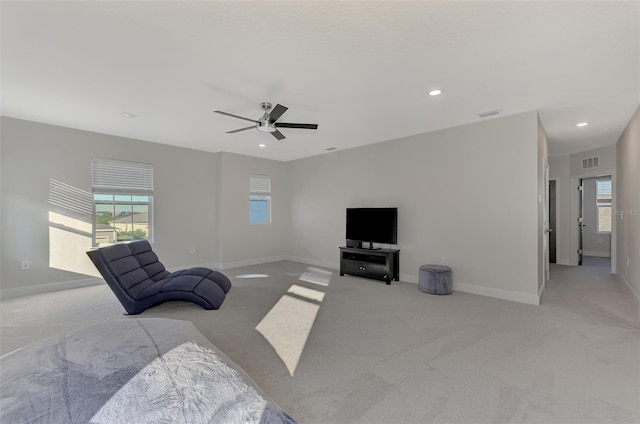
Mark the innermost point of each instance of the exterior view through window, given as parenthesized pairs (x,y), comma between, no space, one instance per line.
(121,218)
(123,201)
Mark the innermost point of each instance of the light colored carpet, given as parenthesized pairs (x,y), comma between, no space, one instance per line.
(342,349)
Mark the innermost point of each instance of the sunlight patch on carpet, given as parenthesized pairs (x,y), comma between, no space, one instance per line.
(287,326)
(317,276)
(252,276)
(306,292)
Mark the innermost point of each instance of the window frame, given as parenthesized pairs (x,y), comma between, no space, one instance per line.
(604,203)
(115,203)
(260,190)
(115,178)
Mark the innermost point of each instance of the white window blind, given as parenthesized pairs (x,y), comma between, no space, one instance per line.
(603,191)
(604,202)
(116,176)
(259,184)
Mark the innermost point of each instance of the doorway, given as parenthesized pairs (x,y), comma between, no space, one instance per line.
(552,221)
(595,220)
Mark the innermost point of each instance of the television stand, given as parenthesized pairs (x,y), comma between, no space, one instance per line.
(382,264)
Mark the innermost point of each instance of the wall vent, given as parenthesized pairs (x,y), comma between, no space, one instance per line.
(488,113)
(593,162)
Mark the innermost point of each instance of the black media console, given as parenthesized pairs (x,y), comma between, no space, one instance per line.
(383,264)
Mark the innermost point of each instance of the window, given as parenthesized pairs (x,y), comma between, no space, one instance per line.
(259,199)
(603,203)
(122,200)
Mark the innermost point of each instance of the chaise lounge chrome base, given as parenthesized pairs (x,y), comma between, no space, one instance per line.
(139,280)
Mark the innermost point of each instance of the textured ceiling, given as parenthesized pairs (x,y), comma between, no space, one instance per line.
(361,70)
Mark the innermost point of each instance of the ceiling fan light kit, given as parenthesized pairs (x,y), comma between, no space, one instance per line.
(267,123)
(266,127)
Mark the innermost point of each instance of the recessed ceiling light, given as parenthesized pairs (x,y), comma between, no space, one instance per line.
(127,115)
(435,92)
(582,124)
(262,145)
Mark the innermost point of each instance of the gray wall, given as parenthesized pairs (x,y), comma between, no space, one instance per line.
(34,153)
(200,205)
(628,205)
(468,194)
(242,243)
(543,219)
(607,157)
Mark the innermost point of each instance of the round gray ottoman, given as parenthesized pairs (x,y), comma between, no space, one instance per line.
(435,279)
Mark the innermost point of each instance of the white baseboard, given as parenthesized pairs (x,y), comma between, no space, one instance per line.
(409,278)
(596,254)
(541,290)
(530,299)
(331,265)
(633,291)
(567,262)
(249,262)
(75,284)
(51,287)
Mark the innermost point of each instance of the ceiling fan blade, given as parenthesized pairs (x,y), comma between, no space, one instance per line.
(301,126)
(278,135)
(252,127)
(236,116)
(277,112)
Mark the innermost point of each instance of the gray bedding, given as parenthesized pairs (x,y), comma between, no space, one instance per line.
(149,370)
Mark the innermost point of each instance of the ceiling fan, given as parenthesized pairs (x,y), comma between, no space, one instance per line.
(268,121)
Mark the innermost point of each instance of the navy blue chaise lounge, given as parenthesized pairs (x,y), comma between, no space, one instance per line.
(139,280)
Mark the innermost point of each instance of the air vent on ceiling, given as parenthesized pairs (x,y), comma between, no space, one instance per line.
(488,113)
(593,162)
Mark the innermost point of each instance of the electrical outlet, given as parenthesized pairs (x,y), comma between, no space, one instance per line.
(627,262)
(192,250)
(25,264)
(443,261)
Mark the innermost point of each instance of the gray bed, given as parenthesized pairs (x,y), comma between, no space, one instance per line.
(150,370)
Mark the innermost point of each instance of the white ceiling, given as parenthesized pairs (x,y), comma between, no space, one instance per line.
(361,70)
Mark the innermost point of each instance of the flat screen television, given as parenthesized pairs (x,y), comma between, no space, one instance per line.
(372,225)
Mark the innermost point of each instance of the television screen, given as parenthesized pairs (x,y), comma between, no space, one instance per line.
(377,225)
